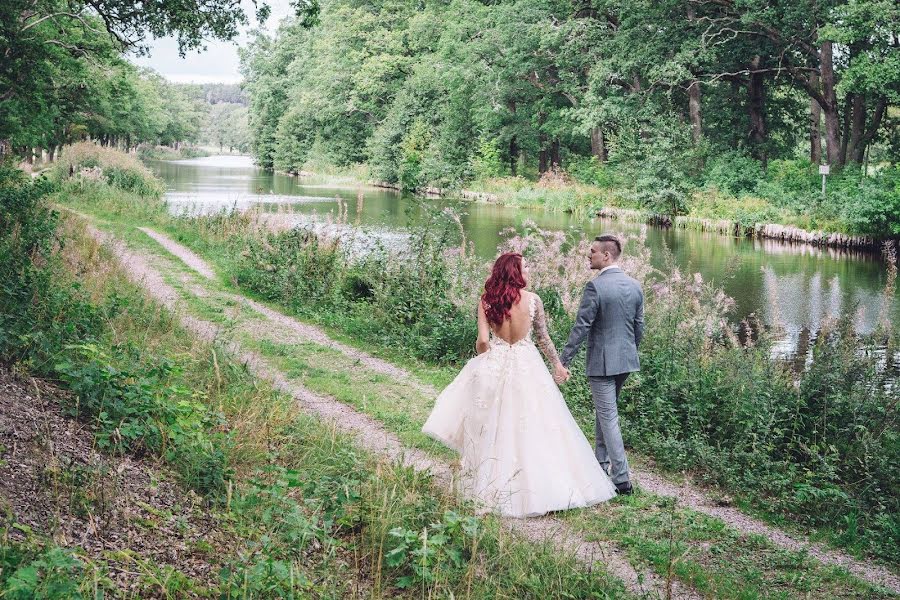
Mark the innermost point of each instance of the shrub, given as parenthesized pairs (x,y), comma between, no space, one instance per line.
(589,170)
(118,169)
(487,162)
(733,172)
(50,325)
(441,547)
(869,205)
(49,573)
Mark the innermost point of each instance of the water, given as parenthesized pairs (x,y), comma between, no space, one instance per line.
(800,285)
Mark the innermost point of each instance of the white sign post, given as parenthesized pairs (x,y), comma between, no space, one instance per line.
(824,170)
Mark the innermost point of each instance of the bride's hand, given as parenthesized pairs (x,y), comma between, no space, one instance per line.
(561,374)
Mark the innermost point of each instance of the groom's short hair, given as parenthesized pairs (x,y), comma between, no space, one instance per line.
(610,243)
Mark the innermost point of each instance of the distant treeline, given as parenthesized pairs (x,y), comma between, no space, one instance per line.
(64,78)
(438,93)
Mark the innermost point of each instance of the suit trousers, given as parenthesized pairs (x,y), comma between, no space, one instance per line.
(609,448)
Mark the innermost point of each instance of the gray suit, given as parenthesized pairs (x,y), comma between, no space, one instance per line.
(611,317)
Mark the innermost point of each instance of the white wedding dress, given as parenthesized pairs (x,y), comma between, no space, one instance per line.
(522,454)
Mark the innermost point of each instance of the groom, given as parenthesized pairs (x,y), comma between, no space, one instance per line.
(611,317)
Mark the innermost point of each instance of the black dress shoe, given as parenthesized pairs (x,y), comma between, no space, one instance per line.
(624,489)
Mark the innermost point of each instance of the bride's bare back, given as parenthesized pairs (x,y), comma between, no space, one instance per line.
(516,327)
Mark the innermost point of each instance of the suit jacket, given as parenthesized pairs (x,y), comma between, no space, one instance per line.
(611,317)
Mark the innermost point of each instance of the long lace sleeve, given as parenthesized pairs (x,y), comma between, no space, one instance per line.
(542,333)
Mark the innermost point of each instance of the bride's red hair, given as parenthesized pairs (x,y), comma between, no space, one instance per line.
(503,287)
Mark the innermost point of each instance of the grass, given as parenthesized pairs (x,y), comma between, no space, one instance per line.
(651,532)
(712,558)
(341,327)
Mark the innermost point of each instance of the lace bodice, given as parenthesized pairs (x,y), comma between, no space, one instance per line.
(538,332)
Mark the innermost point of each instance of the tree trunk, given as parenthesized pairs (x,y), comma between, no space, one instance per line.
(598,144)
(856,148)
(830,108)
(845,127)
(694,109)
(815,125)
(513,141)
(872,130)
(542,143)
(555,161)
(756,107)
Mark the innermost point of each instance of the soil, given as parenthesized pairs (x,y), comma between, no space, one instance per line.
(120,511)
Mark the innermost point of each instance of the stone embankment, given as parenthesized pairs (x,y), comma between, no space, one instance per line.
(435,192)
(771,231)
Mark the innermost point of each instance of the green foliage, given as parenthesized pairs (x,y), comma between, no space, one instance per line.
(50,573)
(88,162)
(143,408)
(591,171)
(441,547)
(297,266)
(412,154)
(733,172)
(869,205)
(37,317)
(487,162)
(406,294)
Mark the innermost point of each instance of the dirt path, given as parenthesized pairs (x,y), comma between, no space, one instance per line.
(373,435)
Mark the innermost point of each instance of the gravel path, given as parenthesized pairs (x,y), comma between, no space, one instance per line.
(304,330)
(688,495)
(371,435)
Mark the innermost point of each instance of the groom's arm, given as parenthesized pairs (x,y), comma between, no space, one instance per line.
(587,312)
(639,320)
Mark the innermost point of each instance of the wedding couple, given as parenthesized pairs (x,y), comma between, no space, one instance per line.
(521,451)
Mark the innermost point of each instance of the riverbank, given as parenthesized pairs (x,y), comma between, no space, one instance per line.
(403,303)
(708,210)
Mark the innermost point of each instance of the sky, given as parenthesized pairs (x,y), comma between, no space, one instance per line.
(219,63)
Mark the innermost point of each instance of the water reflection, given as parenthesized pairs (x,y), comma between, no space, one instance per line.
(798,286)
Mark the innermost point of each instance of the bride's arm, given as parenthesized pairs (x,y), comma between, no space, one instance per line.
(483,343)
(542,333)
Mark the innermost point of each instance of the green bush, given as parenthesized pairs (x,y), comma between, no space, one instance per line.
(118,169)
(868,205)
(50,573)
(590,171)
(733,172)
(142,408)
(439,548)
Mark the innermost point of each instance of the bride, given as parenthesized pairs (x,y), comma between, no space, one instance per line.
(521,451)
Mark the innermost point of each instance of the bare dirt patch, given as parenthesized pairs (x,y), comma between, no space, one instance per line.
(119,510)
